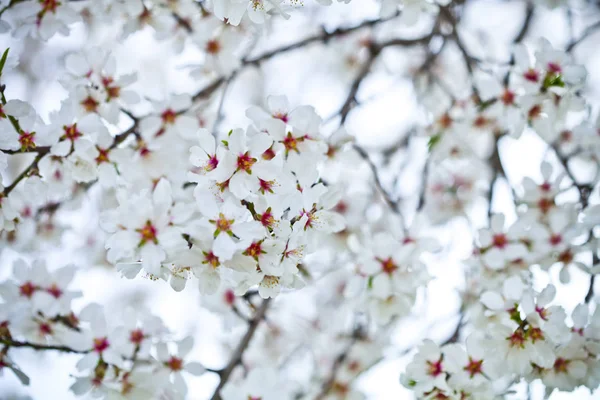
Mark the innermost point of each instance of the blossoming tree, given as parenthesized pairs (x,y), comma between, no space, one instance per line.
(319,246)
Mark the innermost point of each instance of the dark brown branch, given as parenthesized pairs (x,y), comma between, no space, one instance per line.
(40,149)
(590,30)
(497,172)
(183,22)
(470,62)
(236,357)
(456,333)
(30,169)
(357,334)
(362,74)
(424,179)
(394,205)
(520,36)
(526,24)
(590,293)
(40,347)
(323,37)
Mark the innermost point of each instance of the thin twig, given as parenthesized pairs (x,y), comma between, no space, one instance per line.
(394,205)
(590,30)
(236,357)
(30,169)
(35,346)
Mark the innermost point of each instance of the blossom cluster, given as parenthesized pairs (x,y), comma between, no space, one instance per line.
(516,332)
(256,209)
(525,337)
(128,357)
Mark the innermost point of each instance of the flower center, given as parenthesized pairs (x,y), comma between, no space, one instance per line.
(445,121)
(136,336)
(480,121)
(266,186)
(566,136)
(27,289)
(222,225)
(148,233)
(175,364)
(211,259)
(100,344)
(254,250)
(341,207)
(282,116)
(213,46)
(354,365)
(267,218)
(474,367)
(566,257)
(434,368)
(55,291)
(388,266)
(212,163)
(531,75)
(561,365)
(545,205)
(554,68)
(290,143)
(555,239)
(112,91)
(90,104)
(517,339)
(27,140)
(508,98)
(542,312)
(168,116)
(500,241)
(102,156)
(534,112)
(245,162)
(229,297)
(536,334)
(45,329)
(71,132)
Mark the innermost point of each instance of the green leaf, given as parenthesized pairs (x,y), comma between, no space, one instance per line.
(485,104)
(3,60)
(553,80)
(433,141)
(370,282)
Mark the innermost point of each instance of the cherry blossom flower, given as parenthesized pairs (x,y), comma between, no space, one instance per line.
(145,227)
(174,363)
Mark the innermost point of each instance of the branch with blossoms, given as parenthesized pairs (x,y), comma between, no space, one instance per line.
(118,355)
(297,236)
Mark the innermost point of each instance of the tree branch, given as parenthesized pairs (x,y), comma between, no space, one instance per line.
(35,346)
(236,357)
(590,30)
(32,167)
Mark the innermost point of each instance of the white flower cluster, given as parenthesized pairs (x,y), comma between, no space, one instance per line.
(518,333)
(120,357)
(258,209)
(525,338)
